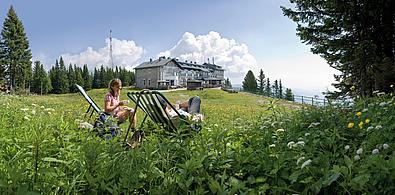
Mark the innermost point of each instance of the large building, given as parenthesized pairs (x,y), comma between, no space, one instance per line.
(170,72)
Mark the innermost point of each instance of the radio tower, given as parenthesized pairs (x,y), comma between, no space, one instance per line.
(111,60)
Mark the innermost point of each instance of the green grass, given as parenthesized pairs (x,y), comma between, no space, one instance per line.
(248,144)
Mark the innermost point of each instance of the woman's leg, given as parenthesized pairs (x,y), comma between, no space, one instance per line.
(194,105)
(124,114)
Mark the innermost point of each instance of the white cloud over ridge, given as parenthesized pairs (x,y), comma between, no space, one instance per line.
(125,54)
(234,57)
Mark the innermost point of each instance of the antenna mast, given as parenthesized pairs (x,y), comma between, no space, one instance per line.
(111,59)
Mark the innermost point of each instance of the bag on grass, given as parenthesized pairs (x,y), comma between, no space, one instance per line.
(106,127)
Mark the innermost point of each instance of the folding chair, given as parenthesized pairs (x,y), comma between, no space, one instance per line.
(149,102)
(92,104)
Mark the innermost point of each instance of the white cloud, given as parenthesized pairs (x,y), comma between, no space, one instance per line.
(234,57)
(125,54)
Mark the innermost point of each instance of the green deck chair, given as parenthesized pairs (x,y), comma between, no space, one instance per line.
(93,107)
(149,103)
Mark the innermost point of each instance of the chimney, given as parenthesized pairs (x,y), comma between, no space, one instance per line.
(208,60)
(150,60)
(213,60)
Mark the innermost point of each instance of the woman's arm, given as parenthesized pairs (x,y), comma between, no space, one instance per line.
(108,108)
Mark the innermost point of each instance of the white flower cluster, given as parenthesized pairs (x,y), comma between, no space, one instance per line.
(313,125)
(306,163)
(292,144)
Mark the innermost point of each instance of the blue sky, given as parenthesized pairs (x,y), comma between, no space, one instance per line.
(239,34)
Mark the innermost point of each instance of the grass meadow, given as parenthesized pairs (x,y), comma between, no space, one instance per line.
(248,145)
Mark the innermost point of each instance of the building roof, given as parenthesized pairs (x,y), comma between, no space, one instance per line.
(162,61)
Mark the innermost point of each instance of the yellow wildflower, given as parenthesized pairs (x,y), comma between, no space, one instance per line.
(367,121)
(360,125)
(391,86)
(359,113)
(352,88)
(350,125)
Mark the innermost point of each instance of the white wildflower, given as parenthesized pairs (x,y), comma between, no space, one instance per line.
(380,94)
(313,125)
(34,105)
(33,112)
(228,144)
(42,107)
(374,92)
(291,144)
(215,125)
(306,163)
(382,104)
(386,146)
(49,109)
(370,128)
(306,134)
(300,143)
(27,118)
(272,145)
(378,127)
(280,130)
(346,147)
(375,151)
(365,110)
(299,160)
(357,157)
(24,109)
(85,125)
(359,151)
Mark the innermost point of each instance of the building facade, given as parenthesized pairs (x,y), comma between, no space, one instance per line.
(170,72)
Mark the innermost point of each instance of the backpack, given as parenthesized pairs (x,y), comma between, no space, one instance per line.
(105,126)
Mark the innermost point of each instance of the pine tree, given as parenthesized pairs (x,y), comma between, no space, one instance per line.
(78,76)
(96,80)
(87,78)
(288,94)
(268,88)
(63,78)
(71,79)
(15,55)
(40,81)
(54,77)
(275,89)
(249,83)
(261,82)
(228,84)
(280,90)
(355,37)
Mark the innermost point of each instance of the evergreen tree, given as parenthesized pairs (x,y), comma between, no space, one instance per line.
(355,37)
(87,78)
(249,83)
(268,88)
(261,82)
(54,73)
(40,81)
(78,76)
(15,55)
(71,79)
(96,79)
(63,79)
(228,84)
(280,90)
(288,94)
(275,89)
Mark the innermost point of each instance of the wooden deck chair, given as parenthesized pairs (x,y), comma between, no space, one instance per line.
(149,102)
(92,104)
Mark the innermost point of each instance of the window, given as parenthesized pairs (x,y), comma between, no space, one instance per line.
(144,82)
(149,82)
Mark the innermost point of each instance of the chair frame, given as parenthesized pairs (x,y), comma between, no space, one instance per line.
(92,104)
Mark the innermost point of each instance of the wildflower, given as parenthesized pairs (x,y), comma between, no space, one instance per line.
(215,125)
(375,151)
(300,143)
(359,151)
(365,110)
(359,113)
(306,163)
(24,109)
(378,127)
(360,125)
(306,134)
(33,112)
(350,125)
(291,144)
(386,146)
(391,86)
(367,121)
(380,94)
(357,157)
(352,88)
(280,130)
(27,118)
(299,160)
(42,107)
(272,145)
(313,125)
(370,128)
(382,104)
(34,105)
(346,147)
